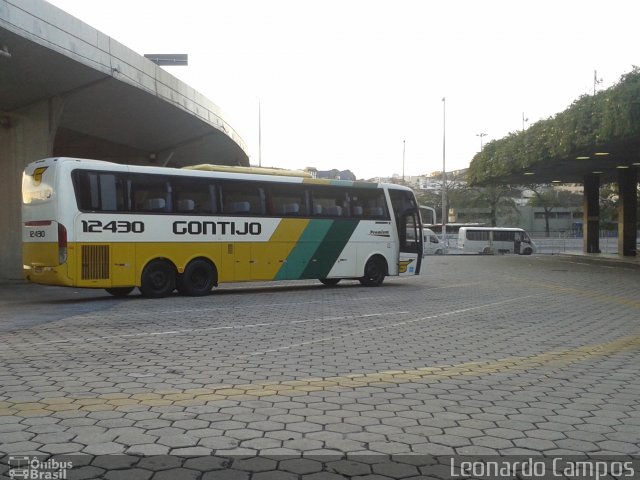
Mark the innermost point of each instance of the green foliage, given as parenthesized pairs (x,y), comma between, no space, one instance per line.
(497,198)
(611,116)
(609,200)
(549,199)
(431,199)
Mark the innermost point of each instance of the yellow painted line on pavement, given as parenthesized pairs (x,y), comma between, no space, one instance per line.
(603,297)
(627,302)
(200,396)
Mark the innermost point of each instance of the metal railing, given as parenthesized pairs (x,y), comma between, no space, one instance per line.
(571,242)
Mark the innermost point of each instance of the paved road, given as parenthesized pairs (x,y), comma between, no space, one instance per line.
(483,355)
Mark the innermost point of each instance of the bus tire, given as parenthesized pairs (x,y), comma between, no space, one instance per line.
(374,272)
(158,279)
(119,291)
(527,251)
(198,278)
(329,282)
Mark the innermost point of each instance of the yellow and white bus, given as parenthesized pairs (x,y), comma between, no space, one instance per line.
(97,224)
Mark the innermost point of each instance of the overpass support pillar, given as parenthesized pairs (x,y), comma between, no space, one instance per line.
(627,211)
(591,214)
(26,135)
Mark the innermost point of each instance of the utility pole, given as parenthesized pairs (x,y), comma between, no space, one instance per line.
(596,81)
(259,135)
(481,135)
(444,170)
(403,162)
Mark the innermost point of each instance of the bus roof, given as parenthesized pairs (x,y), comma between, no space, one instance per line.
(232,173)
(258,170)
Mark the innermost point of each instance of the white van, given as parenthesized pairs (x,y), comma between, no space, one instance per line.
(492,240)
(431,243)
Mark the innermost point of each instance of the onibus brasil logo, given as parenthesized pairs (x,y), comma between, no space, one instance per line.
(33,468)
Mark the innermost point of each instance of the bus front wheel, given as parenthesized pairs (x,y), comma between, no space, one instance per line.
(374,272)
(119,291)
(198,278)
(158,279)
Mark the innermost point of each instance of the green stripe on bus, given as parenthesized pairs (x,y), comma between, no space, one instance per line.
(305,248)
(329,250)
(342,183)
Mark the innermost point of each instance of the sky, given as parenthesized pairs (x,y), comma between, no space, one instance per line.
(359,84)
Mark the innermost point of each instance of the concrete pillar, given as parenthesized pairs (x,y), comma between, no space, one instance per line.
(591,214)
(627,211)
(26,135)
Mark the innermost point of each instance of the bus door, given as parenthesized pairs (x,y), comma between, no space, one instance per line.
(407,216)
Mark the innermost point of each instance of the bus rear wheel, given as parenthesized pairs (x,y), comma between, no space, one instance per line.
(329,282)
(119,291)
(374,272)
(198,278)
(158,279)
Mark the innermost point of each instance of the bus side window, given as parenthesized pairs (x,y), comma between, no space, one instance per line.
(154,204)
(331,202)
(287,201)
(243,198)
(478,235)
(185,205)
(191,196)
(333,210)
(503,236)
(372,203)
(99,191)
(211,201)
(150,194)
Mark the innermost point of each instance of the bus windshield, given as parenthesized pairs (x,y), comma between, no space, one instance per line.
(37,187)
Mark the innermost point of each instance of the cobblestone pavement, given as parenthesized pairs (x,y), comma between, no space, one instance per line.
(502,355)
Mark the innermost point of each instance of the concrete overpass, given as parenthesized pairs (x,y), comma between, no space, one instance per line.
(68,89)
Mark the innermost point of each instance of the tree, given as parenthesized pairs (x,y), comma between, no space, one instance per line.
(548,199)
(498,198)
(611,116)
(609,206)
(455,186)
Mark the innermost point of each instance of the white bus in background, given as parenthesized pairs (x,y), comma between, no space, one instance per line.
(494,240)
(432,244)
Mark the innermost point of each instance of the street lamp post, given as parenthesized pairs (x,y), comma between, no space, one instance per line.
(596,81)
(444,170)
(403,162)
(481,135)
(259,135)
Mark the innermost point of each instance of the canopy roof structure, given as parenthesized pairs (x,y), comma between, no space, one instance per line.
(597,135)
